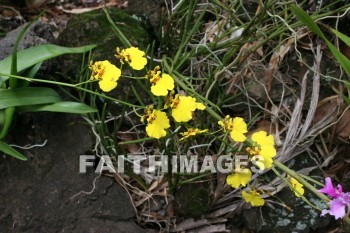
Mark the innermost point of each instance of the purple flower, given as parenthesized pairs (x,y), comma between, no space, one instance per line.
(339,206)
(330,190)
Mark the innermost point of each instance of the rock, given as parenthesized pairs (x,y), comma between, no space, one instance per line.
(192,200)
(151,9)
(299,218)
(37,34)
(42,194)
(94,28)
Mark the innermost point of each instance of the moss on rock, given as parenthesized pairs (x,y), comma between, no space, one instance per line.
(94,28)
(192,200)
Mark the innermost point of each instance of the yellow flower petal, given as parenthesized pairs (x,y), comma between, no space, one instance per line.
(236,126)
(183,107)
(191,132)
(107,73)
(297,187)
(267,162)
(261,138)
(239,126)
(268,151)
(259,161)
(157,123)
(137,58)
(107,86)
(239,178)
(264,147)
(253,197)
(163,85)
(200,106)
(237,136)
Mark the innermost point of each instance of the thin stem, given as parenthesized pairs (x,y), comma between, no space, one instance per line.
(74,86)
(301,180)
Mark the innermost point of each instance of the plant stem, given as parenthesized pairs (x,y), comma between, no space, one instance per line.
(300,180)
(73,86)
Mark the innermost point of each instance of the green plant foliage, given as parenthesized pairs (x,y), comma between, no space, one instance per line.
(309,22)
(64,106)
(31,98)
(31,56)
(27,96)
(7,149)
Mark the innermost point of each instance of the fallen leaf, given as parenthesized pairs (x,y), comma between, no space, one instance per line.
(342,129)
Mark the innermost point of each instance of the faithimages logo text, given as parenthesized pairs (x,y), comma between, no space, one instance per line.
(162,164)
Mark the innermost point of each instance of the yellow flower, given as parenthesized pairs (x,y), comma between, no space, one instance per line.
(253,197)
(158,122)
(161,83)
(107,74)
(192,132)
(263,145)
(236,126)
(240,177)
(296,187)
(183,106)
(133,56)
(258,161)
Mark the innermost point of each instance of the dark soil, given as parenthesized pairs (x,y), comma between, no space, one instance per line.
(42,194)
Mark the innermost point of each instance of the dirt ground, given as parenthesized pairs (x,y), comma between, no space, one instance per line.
(47,193)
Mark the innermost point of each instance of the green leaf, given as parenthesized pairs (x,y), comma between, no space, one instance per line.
(31,56)
(308,21)
(65,106)
(2,118)
(27,96)
(341,36)
(346,99)
(10,151)
(29,73)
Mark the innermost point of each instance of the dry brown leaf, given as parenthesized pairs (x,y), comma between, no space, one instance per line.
(278,55)
(8,13)
(325,106)
(342,129)
(124,137)
(212,31)
(245,49)
(263,125)
(345,50)
(87,9)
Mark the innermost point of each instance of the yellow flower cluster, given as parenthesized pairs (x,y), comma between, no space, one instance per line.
(261,150)
(162,84)
(108,74)
(181,107)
